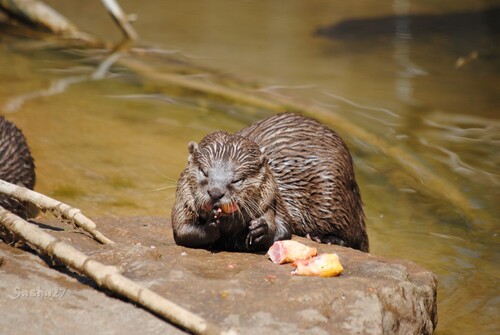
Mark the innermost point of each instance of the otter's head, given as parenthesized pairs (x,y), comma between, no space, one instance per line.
(226,172)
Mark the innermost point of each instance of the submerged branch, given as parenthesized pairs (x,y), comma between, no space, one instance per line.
(104,275)
(61,85)
(44,202)
(433,185)
(56,87)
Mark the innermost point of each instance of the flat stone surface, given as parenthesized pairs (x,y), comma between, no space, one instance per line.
(240,291)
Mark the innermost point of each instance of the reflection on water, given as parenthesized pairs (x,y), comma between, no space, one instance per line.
(116,146)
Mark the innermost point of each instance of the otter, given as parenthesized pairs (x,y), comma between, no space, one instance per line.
(287,174)
(16,166)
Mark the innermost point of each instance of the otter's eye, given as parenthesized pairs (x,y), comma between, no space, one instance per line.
(203,172)
(237,181)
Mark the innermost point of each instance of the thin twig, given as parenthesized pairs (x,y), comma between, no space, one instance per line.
(55,206)
(120,18)
(106,276)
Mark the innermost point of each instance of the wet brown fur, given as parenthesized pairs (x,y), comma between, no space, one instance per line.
(16,165)
(287,174)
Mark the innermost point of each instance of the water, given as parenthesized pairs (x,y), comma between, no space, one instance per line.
(117,146)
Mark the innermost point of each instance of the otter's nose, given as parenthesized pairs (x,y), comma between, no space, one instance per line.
(215,193)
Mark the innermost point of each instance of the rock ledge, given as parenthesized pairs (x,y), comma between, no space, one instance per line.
(241,291)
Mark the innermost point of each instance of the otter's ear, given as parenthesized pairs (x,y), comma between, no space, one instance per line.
(192,148)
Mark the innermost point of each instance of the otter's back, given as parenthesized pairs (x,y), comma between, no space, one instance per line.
(314,173)
(16,164)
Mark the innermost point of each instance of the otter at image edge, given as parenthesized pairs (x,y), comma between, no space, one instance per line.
(283,175)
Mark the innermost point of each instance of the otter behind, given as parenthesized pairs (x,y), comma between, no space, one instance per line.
(16,166)
(284,175)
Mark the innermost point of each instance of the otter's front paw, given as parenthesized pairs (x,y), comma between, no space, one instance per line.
(212,230)
(258,235)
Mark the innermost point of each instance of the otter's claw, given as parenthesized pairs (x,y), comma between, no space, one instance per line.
(257,230)
(213,217)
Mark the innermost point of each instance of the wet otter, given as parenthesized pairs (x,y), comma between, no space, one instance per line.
(16,165)
(283,175)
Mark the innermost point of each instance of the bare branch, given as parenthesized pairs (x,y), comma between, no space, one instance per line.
(55,206)
(37,13)
(122,20)
(106,276)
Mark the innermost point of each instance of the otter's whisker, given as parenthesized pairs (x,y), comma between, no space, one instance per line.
(165,187)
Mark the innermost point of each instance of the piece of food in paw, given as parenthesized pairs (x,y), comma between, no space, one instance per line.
(324,265)
(229,208)
(217,213)
(289,251)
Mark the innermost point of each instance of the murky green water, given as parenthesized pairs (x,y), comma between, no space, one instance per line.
(116,146)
